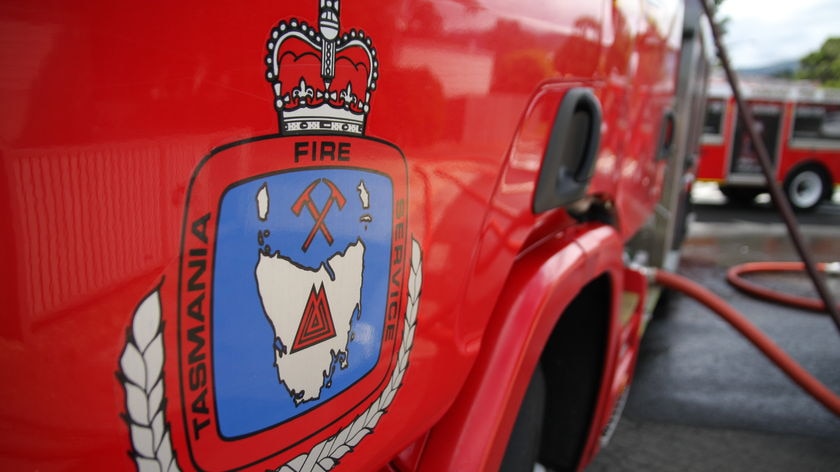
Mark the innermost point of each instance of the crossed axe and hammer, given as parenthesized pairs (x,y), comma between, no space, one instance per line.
(305,201)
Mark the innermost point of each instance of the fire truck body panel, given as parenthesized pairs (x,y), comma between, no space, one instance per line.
(129,135)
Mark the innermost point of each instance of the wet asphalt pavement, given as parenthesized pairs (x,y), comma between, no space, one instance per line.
(704,398)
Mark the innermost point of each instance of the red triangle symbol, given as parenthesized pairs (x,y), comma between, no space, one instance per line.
(316,324)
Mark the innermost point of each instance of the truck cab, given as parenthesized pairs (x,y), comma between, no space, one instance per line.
(334,235)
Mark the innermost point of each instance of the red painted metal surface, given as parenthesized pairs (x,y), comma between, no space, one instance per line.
(110,108)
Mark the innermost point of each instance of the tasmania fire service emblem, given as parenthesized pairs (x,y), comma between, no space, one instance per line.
(284,333)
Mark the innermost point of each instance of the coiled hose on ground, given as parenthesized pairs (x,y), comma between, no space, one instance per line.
(766,345)
(736,273)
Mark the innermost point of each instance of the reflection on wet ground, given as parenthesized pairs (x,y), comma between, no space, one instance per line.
(705,399)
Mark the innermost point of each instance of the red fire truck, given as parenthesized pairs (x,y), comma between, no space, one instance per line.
(313,236)
(800,126)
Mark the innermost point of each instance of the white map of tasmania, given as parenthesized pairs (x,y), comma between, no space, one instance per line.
(285,288)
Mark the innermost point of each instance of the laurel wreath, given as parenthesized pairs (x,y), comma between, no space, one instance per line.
(141,367)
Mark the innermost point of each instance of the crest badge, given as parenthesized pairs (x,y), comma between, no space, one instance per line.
(284,333)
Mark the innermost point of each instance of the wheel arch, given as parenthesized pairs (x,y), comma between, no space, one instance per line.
(540,288)
(574,362)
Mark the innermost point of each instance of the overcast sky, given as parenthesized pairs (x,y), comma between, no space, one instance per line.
(763,32)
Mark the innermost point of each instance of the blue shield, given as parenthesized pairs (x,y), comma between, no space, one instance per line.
(299,292)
